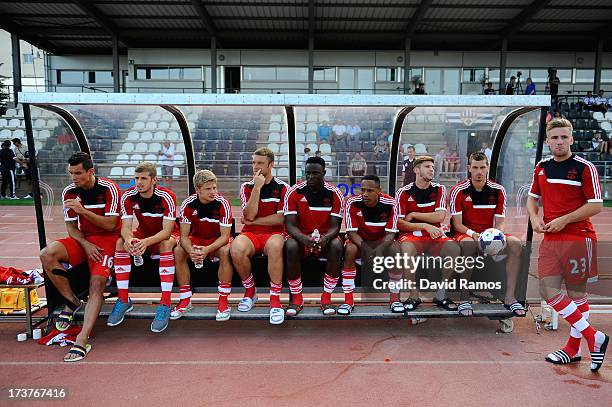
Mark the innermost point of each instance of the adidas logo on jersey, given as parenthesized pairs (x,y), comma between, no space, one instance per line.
(410,199)
(359,213)
(541,172)
(136,206)
(468,199)
(303,199)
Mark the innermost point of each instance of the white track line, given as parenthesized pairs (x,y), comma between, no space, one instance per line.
(284,362)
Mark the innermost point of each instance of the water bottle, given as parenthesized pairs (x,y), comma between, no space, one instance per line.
(200,263)
(138,260)
(315,237)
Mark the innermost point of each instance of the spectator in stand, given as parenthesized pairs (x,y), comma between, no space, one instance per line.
(510,86)
(598,145)
(420,90)
(65,140)
(167,158)
(338,137)
(318,153)
(558,115)
(588,101)
(531,87)
(548,116)
(323,132)
(451,163)
(486,150)
(22,158)
(489,89)
(357,168)
(408,167)
(353,131)
(382,147)
(386,136)
(7,169)
(307,155)
(438,161)
(601,102)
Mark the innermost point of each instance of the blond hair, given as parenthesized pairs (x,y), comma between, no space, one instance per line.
(266,152)
(147,167)
(559,122)
(421,159)
(201,177)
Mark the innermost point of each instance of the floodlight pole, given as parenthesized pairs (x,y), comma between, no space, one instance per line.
(16,67)
(407,47)
(116,72)
(598,64)
(502,66)
(213,64)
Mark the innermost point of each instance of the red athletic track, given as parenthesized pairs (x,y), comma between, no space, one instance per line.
(442,362)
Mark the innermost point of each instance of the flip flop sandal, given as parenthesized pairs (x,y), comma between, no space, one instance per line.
(293,310)
(396,307)
(515,308)
(78,350)
(412,304)
(560,357)
(465,309)
(597,358)
(66,317)
(345,309)
(446,303)
(328,309)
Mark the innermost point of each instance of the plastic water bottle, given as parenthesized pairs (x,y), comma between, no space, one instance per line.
(138,260)
(315,237)
(200,263)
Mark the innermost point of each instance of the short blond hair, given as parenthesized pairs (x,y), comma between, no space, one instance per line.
(266,152)
(201,177)
(422,159)
(559,122)
(147,167)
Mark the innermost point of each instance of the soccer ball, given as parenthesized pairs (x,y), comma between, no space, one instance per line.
(492,241)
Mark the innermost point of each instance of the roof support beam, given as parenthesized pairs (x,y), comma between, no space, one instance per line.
(16,67)
(598,65)
(518,22)
(417,17)
(209,24)
(33,39)
(90,9)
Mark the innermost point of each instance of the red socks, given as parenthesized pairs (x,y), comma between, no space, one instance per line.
(348,285)
(123,266)
(166,275)
(275,292)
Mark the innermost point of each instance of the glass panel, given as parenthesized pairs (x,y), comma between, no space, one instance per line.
(433,81)
(564,75)
(473,75)
(585,75)
(120,137)
(224,138)
(158,73)
(344,136)
(451,82)
(250,73)
(389,74)
(186,73)
(539,76)
(606,75)
(346,84)
(292,74)
(71,77)
(324,74)
(365,80)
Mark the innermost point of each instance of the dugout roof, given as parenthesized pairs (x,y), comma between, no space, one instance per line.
(87,27)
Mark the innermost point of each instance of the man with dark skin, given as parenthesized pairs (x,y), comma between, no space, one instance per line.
(313,207)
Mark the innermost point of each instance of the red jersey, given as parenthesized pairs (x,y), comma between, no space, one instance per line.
(478,209)
(271,201)
(150,212)
(102,199)
(206,220)
(411,198)
(313,210)
(564,187)
(371,223)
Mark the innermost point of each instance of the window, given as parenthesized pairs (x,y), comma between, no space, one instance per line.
(473,75)
(606,75)
(324,74)
(585,76)
(268,73)
(292,74)
(394,74)
(494,75)
(164,73)
(28,58)
(70,77)
(565,75)
(185,73)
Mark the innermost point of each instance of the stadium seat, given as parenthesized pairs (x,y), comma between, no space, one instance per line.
(154,148)
(193,117)
(3,123)
(5,134)
(300,126)
(121,159)
(159,136)
(311,127)
(180,148)
(323,116)
(133,135)
(311,137)
(11,112)
(179,159)
(174,126)
(142,116)
(151,126)
(176,172)
(14,123)
(127,147)
(599,116)
(155,117)
(274,137)
(313,147)
(606,126)
(223,145)
(19,133)
(274,147)
(44,134)
(129,172)
(152,158)
(146,136)
(39,124)
(325,148)
(300,137)
(420,148)
(284,148)
(116,172)
(163,126)
(250,145)
(138,126)
(276,118)
(52,123)
(135,159)
(141,148)
(608,116)
(283,172)
(312,117)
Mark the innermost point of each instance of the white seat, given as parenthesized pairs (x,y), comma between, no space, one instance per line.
(151,125)
(174,126)
(3,123)
(135,158)
(159,136)
(193,117)
(420,148)
(180,148)
(276,118)
(179,159)
(608,116)
(52,123)
(11,112)
(325,148)
(38,145)
(163,126)
(274,137)
(155,117)
(19,133)
(274,172)
(138,126)
(14,123)
(116,172)
(606,126)
(312,117)
(129,172)
(35,113)
(127,147)
(300,126)
(172,136)
(284,148)
(154,148)
(313,147)
(323,117)
(275,126)
(311,137)
(5,134)
(282,172)
(598,116)
(176,172)
(44,134)
(300,137)
(283,159)
(327,159)
(299,148)
(121,159)
(274,147)
(146,136)
(39,123)
(311,127)
(133,135)
(191,125)
(151,158)
(142,116)
(141,148)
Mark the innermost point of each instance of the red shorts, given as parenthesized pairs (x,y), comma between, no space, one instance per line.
(306,251)
(571,256)
(425,243)
(155,248)
(199,241)
(76,254)
(259,240)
